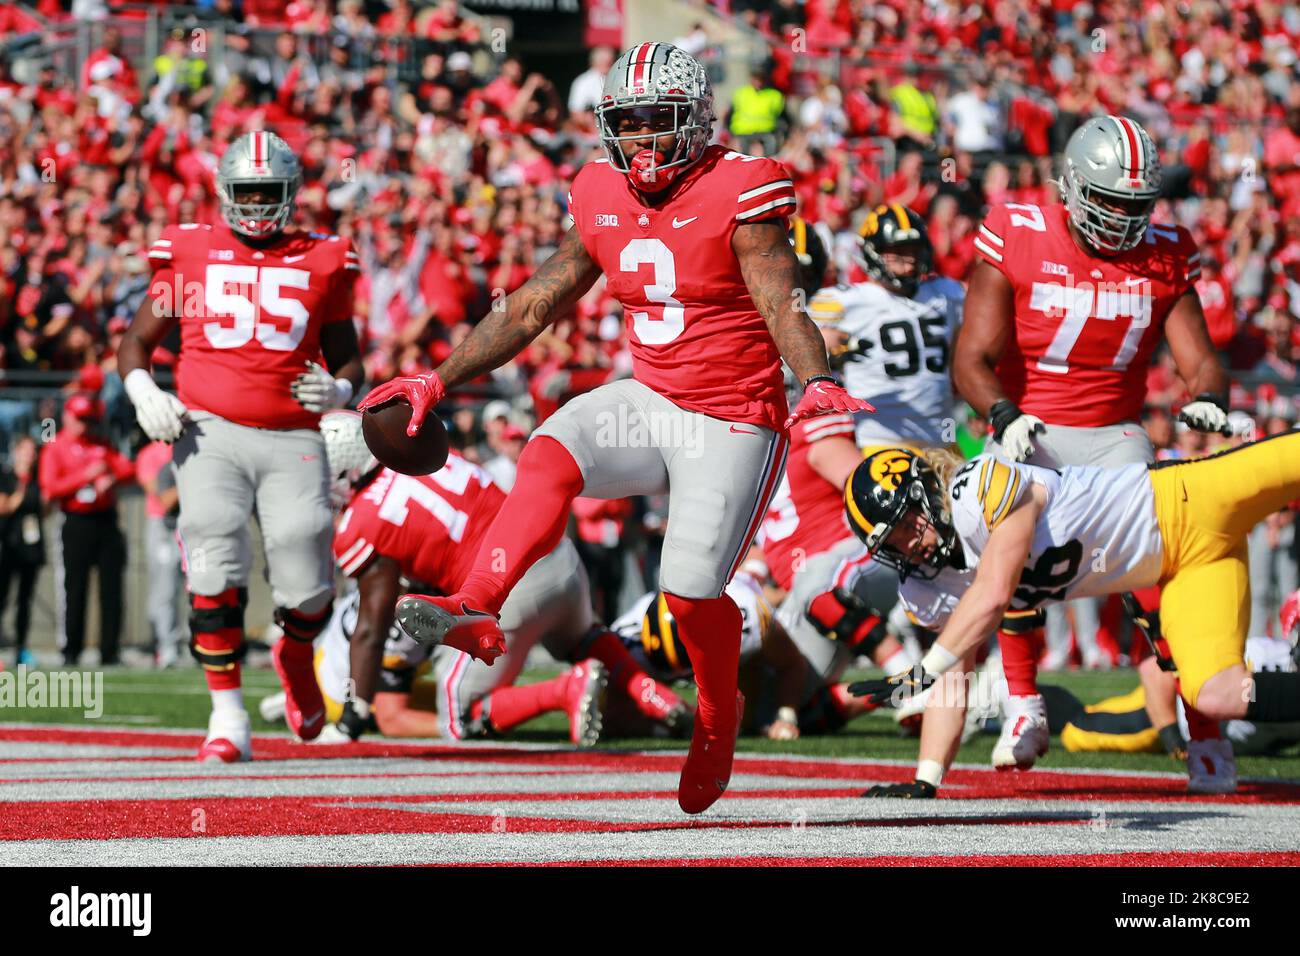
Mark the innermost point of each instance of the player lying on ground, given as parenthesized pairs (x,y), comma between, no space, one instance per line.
(692,241)
(1034,535)
(264,309)
(427,529)
(406,706)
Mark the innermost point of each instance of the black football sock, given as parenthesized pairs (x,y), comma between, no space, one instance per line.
(1277,698)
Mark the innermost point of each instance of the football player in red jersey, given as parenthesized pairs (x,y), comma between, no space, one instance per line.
(692,241)
(267,345)
(428,529)
(1065,307)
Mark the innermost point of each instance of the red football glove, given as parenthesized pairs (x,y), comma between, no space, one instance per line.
(824,396)
(421,391)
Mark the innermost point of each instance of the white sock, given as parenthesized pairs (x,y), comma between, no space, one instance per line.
(228,701)
(931,771)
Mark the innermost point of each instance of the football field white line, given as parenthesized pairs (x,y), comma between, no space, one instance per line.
(899,831)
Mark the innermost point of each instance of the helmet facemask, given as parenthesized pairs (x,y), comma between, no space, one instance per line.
(256,220)
(1108,231)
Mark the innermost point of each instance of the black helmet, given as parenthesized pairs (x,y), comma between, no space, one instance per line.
(660,641)
(811,253)
(885,229)
(878,496)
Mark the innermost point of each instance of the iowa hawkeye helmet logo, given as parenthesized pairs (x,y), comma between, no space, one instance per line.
(889,468)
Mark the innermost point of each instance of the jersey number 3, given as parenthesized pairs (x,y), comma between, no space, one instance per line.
(652,329)
(246,293)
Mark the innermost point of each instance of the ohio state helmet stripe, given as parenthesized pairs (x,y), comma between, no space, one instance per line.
(1134,159)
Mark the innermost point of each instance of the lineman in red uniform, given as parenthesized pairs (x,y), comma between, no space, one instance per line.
(692,241)
(261,306)
(428,529)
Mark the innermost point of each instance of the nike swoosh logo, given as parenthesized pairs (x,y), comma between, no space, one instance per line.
(314,719)
(741,431)
(294,258)
(678,223)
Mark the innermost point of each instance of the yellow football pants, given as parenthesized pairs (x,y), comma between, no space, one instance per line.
(1204,509)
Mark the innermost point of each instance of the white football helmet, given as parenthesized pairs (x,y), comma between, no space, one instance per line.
(1110,158)
(263,160)
(658,82)
(346,452)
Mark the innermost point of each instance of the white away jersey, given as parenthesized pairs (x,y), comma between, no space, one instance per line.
(903,369)
(1096,535)
(755,619)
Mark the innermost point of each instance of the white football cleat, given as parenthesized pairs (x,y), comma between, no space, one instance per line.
(272,708)
(229,740)
(332,734)
(1211,766)
(1024,734)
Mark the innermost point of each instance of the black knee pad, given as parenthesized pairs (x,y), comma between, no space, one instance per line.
(842,616)
(302,627)
(1022,622)
(211,643)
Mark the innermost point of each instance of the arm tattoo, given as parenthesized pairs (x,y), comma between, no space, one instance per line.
(771,273)
(515,321)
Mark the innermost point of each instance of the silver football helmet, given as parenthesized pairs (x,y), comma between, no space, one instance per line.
(346,452)
(263,160)
(667,88)
(1110,159)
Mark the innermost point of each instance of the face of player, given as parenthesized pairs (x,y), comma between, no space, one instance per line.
(649,127)
(903,261)
(914,537)
(256,195)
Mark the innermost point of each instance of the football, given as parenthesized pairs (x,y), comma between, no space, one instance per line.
(384,429)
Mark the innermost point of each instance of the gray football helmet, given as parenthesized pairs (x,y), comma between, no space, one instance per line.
(346,452)
(1110,158)
(264,160)
(668,87)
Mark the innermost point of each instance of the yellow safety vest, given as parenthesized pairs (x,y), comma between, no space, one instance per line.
(754,112)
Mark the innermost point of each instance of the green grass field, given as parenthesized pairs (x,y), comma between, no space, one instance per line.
(148,699)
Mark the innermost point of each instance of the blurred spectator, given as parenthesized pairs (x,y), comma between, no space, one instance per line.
(153,471)
(79,472)
(757,113)
(600,543)
(585,91)
(510,445)
(22,541)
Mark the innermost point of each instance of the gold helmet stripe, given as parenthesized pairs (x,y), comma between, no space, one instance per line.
(666,633)
(855,513)
(899,211)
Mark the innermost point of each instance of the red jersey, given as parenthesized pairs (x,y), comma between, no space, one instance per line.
(1085,326)
(431,525)
(806,516)
(695,335)
(250,317)
(69,468)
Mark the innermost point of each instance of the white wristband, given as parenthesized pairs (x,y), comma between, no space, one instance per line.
(138,384)
(930,771)
(939,660)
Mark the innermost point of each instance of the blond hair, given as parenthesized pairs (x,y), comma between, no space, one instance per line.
(945,463)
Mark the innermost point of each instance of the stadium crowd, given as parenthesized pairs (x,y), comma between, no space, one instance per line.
(453,185)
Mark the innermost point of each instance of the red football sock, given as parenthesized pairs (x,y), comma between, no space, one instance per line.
(216,645)
(1199,727)
(528,526)
(511,706)
(297,653)
(1019,663)
(710,629)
